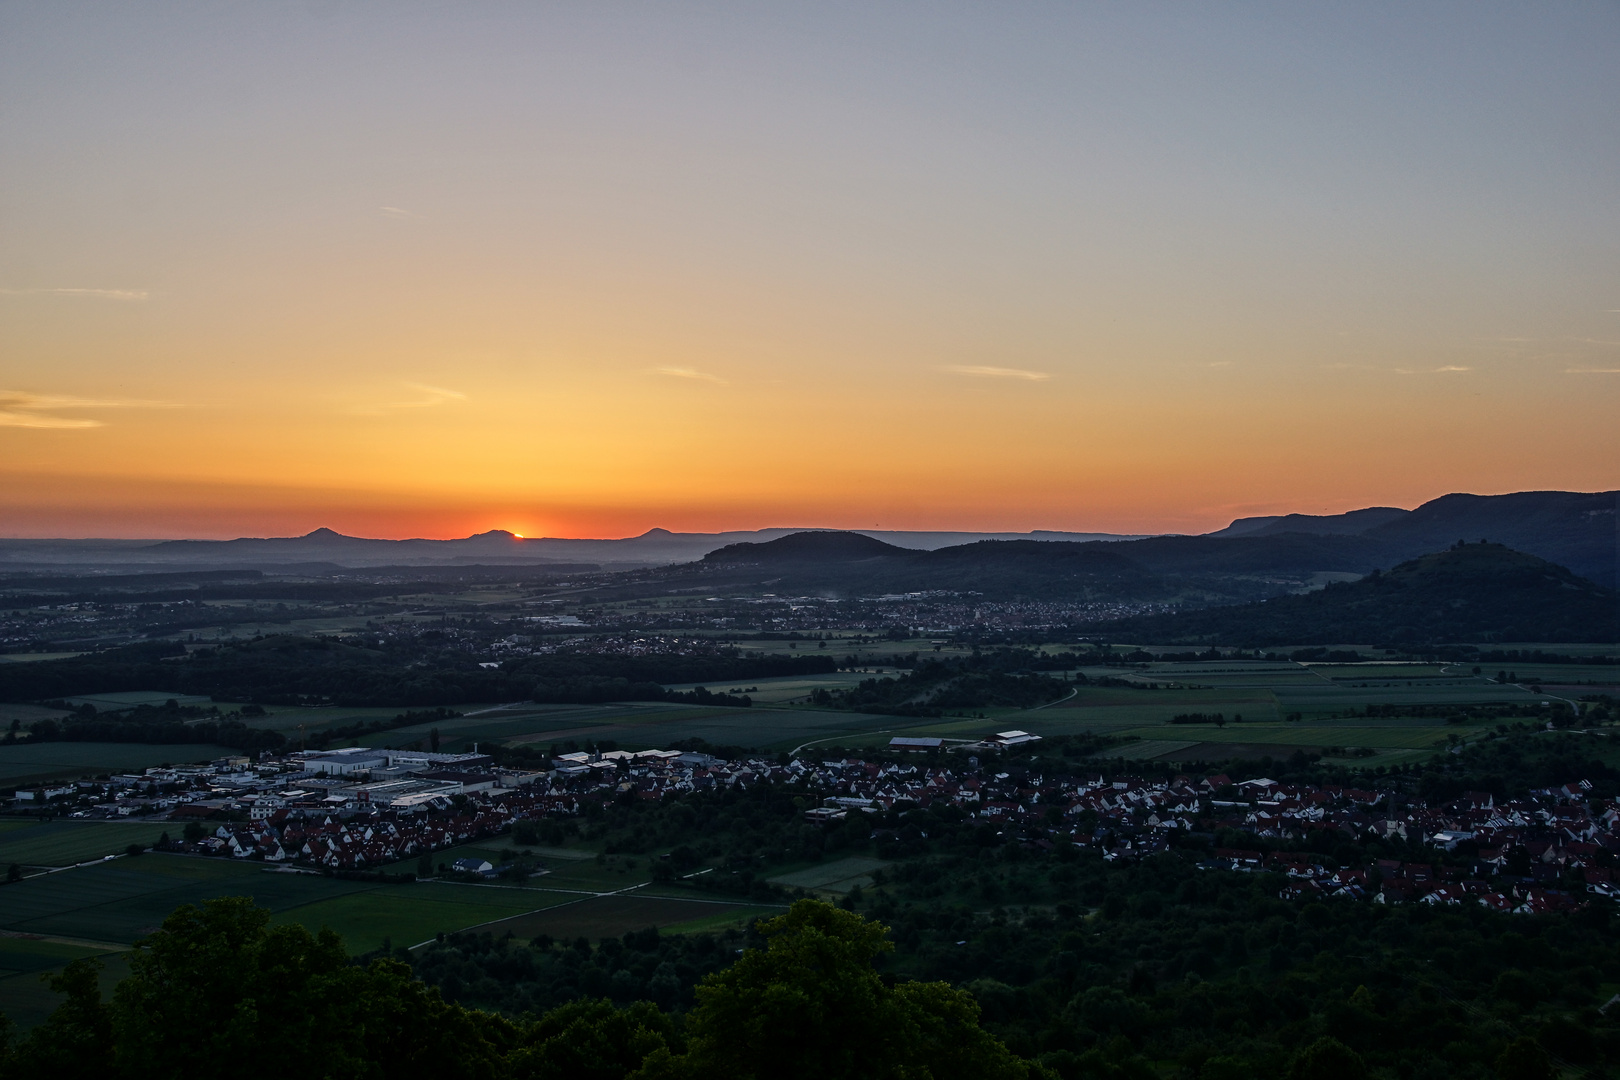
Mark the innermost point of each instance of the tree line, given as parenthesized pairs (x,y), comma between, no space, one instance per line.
(297,671)
(219,992)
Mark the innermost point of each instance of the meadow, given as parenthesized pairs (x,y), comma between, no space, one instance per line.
(24,763)
(614,916)
(638,726)
(1285,707)
(31,842)
(102,908)
(785,690)
(27,960)
(1262,691)
(1264,694)
(50,919)
(838,876)
(119,900)
(128,699)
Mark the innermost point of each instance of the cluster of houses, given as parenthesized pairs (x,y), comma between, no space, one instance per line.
(362,807)
(1530,856)
(935,611)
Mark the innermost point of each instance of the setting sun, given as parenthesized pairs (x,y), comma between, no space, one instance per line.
(1012,293)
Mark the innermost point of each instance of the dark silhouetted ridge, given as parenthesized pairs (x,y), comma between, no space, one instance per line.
(808,547)
(1577,529)
(1354,523)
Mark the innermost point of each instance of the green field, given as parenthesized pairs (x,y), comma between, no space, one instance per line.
(1263,695)
(838,876)
(25,999)
(286,719)
(118,901)
(638,726)
(27,714)
(1263,691)
(1561,674)
(128,699)
(121,900)
(575,870)
(613,916)
(31,955)
(785,690)
(63,843)
(412,915)
(23,763)
(50,919)
(722,918)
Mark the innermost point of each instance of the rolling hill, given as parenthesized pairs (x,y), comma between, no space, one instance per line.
(1475,592)
(1580,530)
(1194,569)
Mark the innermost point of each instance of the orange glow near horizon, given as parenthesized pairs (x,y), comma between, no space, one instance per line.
(595,273)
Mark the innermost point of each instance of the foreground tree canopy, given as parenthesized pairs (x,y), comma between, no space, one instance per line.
(218,992)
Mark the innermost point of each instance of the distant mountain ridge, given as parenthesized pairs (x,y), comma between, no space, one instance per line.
(655,547)
(1347,524)
(1160,569)
(1580,530)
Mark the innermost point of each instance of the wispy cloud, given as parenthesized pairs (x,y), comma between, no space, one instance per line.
(688,373)
(428,397)
(16,418)
(1592,371)
(394,211)
(96,294)
(21,408)
(1449,369)
(980,371)
(431,396)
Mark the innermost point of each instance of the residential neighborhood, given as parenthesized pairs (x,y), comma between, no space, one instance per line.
(362,808)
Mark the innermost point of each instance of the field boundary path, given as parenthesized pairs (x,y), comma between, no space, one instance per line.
(582,896)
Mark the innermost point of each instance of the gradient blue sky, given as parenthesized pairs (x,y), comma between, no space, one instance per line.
(422,269)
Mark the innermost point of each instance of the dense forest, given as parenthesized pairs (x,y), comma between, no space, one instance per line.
(218,992)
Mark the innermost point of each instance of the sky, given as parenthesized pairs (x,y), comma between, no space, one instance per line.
(583,269)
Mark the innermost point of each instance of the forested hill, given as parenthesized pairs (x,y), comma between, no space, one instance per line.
(813,546)
(1576,529)
(1203,570)
(850,563)
(1470,592)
